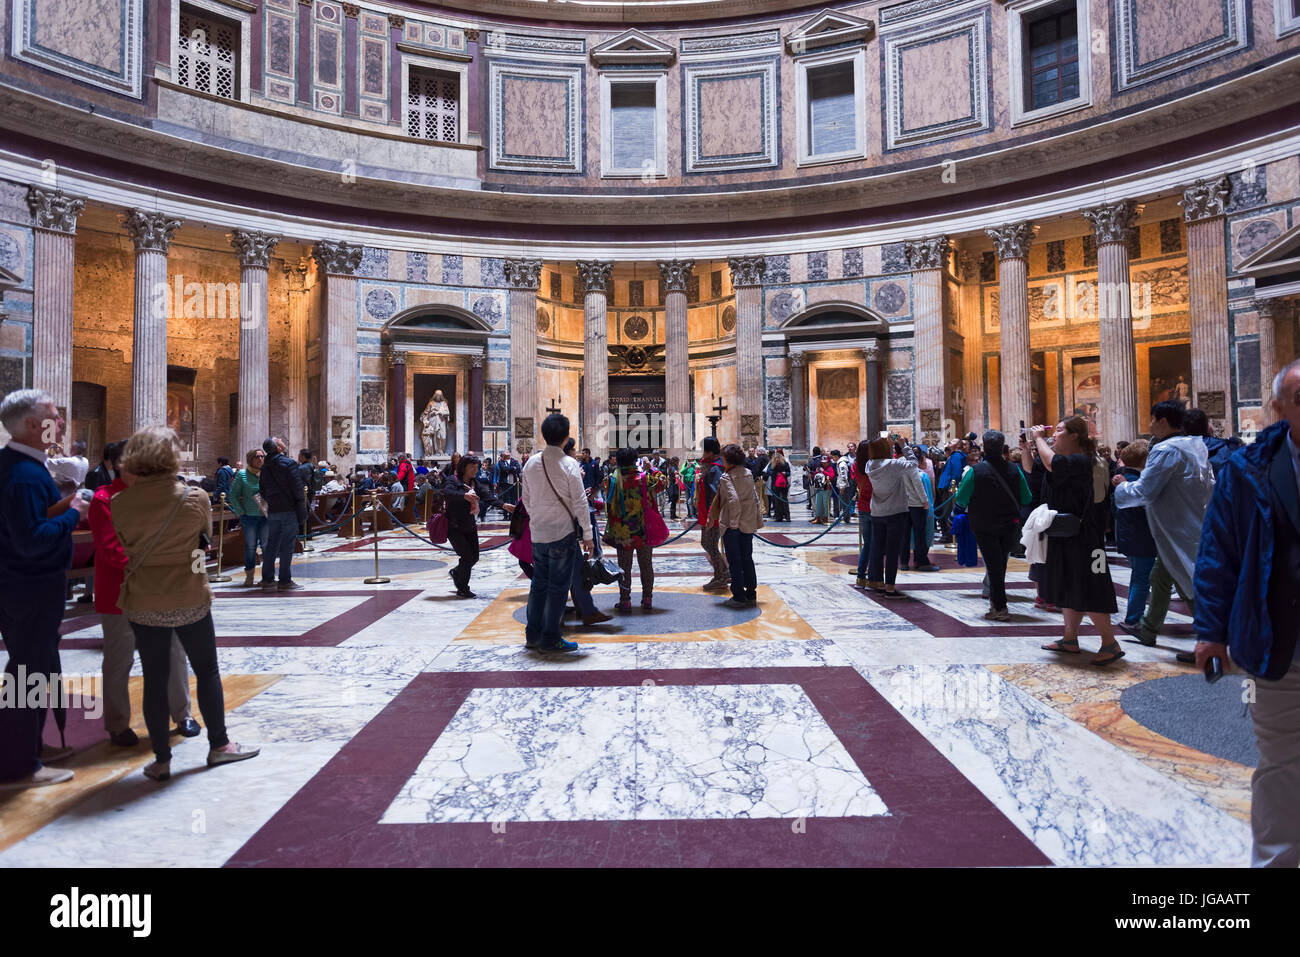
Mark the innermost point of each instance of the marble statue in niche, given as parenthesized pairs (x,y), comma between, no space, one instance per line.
(433,424)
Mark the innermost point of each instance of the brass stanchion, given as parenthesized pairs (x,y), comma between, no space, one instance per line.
(221,541)
(374,527)
(306,542)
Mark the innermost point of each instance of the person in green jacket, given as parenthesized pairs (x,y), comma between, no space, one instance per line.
(242,502)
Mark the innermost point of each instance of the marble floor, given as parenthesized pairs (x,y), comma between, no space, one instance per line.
(400,725)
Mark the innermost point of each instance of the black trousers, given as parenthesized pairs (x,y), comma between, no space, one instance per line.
(155,647)
(466,546)
(30,613)
(996,548)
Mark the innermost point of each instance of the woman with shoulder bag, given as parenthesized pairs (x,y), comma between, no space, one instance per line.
(245,502)
(629,504)
(462,504)
(165,589)
(1076,577)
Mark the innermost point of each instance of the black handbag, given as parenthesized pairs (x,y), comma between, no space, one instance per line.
(1064,525)
(600,571)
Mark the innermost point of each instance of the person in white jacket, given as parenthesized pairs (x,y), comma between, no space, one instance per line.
(1175,488)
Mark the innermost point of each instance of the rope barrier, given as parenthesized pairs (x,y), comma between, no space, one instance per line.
(445,548)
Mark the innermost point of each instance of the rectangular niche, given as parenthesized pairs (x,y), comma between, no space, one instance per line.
(731,111)
(936,81)
(536,117)
(94,41)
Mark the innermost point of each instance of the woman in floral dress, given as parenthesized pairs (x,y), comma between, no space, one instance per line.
(629,492)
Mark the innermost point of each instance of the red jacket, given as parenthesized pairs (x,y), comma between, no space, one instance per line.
(110,558)
(406,475)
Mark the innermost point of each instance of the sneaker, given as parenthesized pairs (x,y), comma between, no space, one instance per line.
(558,647)
(51,754)
(290,586)
(230,754)
(125,739)
(716,584)
(267,585)
(158,771)
(875,586)
(38,779)
(735,603)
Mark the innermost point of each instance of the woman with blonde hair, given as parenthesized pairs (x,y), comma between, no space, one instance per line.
(165,589)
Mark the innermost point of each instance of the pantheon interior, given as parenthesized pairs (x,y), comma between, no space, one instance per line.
(301,218)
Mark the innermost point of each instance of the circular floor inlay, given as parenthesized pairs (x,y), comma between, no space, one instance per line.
(674,612)
(364,567)
(1209,718)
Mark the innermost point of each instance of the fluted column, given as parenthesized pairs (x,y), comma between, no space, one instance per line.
(296,277)
(875,421)
(1112,224)
(254,251)
(747,279)
(972,355)
(476,440)
(595,365)
(152,234)
(927,258)
(798,402)
(338,263)
(1012,242)
(54,214)
(1204,208)
(524,276)
(677,384)
(1276,348)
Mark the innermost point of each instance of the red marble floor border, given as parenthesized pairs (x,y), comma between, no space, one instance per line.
(936,816)
(327,634)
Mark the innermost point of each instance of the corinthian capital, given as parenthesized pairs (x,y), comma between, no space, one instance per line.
(1013,240)
(594,274)
(523,273)
(1206,199)
(150,230)
(969,265)
(747,270)
(339,259)
(676,273)
(1113,222)
(927,253)
(54,209)
(254,248)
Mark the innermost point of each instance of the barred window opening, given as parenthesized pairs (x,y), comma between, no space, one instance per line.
(433,106)
(207,55)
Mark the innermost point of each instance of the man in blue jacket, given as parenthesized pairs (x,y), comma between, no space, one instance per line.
(35,553)
(944,482)
(1247,585)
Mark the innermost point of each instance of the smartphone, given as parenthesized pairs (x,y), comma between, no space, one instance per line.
(1213,670)
(884,434)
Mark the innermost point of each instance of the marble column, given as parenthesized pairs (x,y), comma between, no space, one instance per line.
(296,277)
(798,403)
(1204,208)
(875,421)
(1276,348)
(1113,225)
(254,251)
(1012,242)
(54,216)
(747,279)
(337,262)
(597,427)
(927,258)
(524,277)
(680,432)
(476,439)
(396,362)
(152,234)
(972,354)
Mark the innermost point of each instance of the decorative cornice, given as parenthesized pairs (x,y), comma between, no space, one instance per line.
(747,270)
(633,46)
(254,248)
(150,231)
(594,274)
(826,29)
(730,44)
(397,21)
(337,259)
(1013,240)
(1206,199)
(351,10)
(676,273)
(523,273)
(927,253)
(1113,222)
(53,209)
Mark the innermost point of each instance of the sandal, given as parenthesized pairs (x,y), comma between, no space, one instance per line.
(1063,646)
(1113,652)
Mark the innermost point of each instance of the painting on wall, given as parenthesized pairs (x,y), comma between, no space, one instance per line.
(1170,371)
(1087,385)
(180,416)
(1038,388)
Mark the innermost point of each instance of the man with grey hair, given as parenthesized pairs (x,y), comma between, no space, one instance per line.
(36,526)
(1247,585)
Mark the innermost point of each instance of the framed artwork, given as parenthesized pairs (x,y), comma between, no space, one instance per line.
(1086,379)
(180,416)
(1170,371)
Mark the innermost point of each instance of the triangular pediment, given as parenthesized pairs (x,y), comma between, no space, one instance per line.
(1284,250)
(827,28)
(9,279)
(632,46)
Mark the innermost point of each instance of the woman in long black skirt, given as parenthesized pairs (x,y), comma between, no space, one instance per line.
(1076,577)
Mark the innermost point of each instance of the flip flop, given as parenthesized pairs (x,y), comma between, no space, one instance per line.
(1061,647)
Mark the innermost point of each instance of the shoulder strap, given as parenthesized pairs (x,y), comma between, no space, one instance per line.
(547,473)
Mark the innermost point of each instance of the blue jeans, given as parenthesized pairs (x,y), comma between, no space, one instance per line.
(582,596)
(552,577)
(864,552)
(1139,586)
(739,547)
(255,531)
(282,532)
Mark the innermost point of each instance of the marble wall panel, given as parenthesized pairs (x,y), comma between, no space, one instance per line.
(94,41)
(727,112)
(1158,38)
(536,116)
(936,84)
